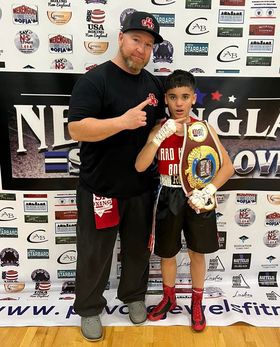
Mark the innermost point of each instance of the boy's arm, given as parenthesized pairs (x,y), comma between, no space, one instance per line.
(226,170)
(148,152)
(199,197)
(157,136)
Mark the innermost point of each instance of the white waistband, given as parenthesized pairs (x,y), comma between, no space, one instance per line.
(170,181)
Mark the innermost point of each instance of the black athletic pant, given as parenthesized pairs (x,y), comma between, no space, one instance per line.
(95,250)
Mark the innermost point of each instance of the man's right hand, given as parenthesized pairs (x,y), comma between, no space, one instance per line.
(135,117)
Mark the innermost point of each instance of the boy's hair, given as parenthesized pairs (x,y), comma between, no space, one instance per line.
(180,78)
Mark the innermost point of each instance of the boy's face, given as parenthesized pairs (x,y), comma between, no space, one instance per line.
(180,101)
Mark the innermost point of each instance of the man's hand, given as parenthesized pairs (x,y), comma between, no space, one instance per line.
(135,117)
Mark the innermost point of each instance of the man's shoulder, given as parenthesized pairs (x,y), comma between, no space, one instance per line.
(97,70)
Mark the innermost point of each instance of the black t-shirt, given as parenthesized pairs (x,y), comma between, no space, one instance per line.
(106,91)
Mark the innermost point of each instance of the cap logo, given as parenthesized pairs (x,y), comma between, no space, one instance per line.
(148,22)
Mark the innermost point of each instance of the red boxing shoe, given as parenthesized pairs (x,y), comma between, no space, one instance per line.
(167,304)
(198,318)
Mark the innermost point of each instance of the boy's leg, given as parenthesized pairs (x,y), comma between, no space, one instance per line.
(168,302)
(197,268)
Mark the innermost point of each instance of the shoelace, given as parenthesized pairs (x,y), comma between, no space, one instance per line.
(197,310)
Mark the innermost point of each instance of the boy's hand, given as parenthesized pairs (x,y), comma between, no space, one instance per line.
(203,199)
(168,128)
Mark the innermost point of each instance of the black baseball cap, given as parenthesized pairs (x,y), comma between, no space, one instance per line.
(142,21)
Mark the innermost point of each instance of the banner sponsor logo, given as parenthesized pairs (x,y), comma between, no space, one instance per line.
(40,275)
(239,282)
(163,52)
(37,236)
(227,71)
(271,263)
(165,19)
(61,64)
(26,41)
(245,217)
(272,219)
(267,279)
(38,253)
(28,218)
(198,26)
(59,3)
(96,47)
(241,261)
(198,4)
(35,195)
(273,199)
(196,70)
(263,9)
(242,294)
(262,29)
(41,289)
(71,214)
(67,257)
(95,19)
(9,232)
(272,295)
(65,200)
(244,245)
(272,238)
(68,287)
(65,228)
(258,61)
(14,287)
(222,239)
(89,66)
(229,54)
(213,278)
(25,14)
(66,274)
(196,48)
(222,198)
(163,2)
(246,198)
(7,196)
(10,275)
(232,2)
(215,264)
(65,240)
(9,257)
(60,43)
(59,17)
(231,16)
(7,214)
(260,46)
(35,206)
(230,32)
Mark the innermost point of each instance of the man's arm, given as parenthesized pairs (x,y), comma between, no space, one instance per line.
(93,129)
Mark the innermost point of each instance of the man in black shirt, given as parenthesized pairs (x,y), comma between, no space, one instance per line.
(112,109)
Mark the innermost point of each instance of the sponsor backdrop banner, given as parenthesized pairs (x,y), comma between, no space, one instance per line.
(232,47)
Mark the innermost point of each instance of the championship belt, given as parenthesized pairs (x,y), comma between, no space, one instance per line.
(200,157)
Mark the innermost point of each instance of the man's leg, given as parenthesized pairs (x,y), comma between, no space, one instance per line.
(94,257)
(135,229)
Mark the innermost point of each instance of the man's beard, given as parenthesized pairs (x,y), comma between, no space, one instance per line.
(135,67)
